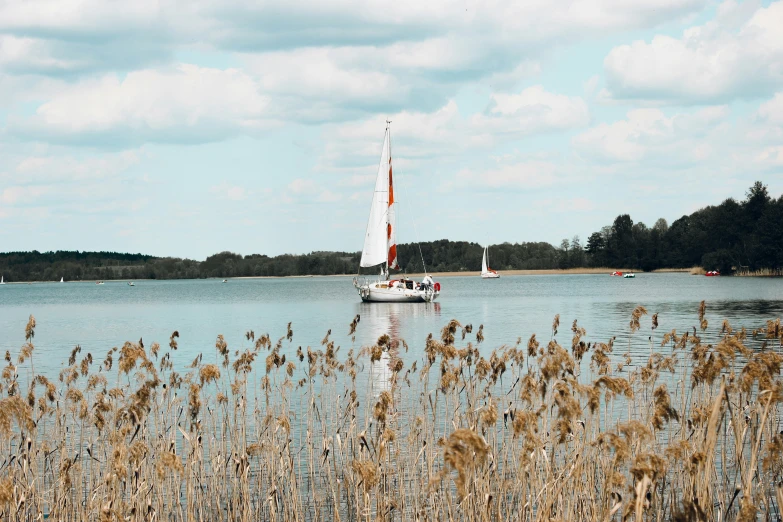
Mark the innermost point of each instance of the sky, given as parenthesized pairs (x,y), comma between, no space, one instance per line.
(188,128)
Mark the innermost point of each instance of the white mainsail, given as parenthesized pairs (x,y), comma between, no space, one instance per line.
(379,242)
(484,262)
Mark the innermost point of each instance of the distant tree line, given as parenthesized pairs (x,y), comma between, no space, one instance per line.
(733,235)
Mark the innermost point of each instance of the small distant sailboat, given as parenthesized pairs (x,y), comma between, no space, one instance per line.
(2,282)
(486,271)
(130,283)
(98,282)
(224,281)
(62,279)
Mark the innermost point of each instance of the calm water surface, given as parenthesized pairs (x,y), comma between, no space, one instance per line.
(98,317)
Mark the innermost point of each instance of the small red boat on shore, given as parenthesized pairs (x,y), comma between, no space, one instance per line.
(615,273)
(712,273)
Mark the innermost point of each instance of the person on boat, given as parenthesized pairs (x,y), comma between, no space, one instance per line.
(427,281)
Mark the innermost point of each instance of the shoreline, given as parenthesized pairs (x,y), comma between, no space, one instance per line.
(546,271)
(530,272)
(565,271)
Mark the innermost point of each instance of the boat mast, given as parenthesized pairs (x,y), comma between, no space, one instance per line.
(386,271)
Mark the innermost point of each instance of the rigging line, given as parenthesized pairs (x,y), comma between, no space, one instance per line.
(413,219)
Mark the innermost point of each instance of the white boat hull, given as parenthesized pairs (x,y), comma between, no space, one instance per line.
(379,292)
(490,275)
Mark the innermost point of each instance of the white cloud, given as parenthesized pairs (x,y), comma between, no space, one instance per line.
(591,85)
(186,104)
(649,135)
(562,205)
(38,181)
(506,80)
(315,84)
(304,190)
(523,175)
(438,30)
(332,83)
(52,169)
(29,54)
(445,132)
(261,25)
(327,60)
(771,111)
(771,157)
(75,17)
(75,37)
(300,186)
(18,195)
(737,55)
(327,196)
(354,148)
(532,111)
(229,192)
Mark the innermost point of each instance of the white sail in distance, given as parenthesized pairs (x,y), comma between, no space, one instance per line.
(484,262)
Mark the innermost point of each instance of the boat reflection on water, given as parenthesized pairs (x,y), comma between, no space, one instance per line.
(381,319)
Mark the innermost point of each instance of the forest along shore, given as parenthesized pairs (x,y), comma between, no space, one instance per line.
(567,271)
(732,237)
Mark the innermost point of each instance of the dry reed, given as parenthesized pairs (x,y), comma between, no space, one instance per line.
(690,433)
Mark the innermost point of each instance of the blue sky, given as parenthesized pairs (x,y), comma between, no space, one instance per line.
(256,127)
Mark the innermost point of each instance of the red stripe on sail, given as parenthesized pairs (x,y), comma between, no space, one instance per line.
(391,185)
(393,257)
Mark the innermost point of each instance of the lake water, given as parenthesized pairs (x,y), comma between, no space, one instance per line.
(98,317)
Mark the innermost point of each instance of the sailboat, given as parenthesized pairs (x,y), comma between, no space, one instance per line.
(2,282)
(486,271)
(380,245)
(62,279)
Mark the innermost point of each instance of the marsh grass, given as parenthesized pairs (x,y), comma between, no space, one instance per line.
(762,272)
(534,431)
